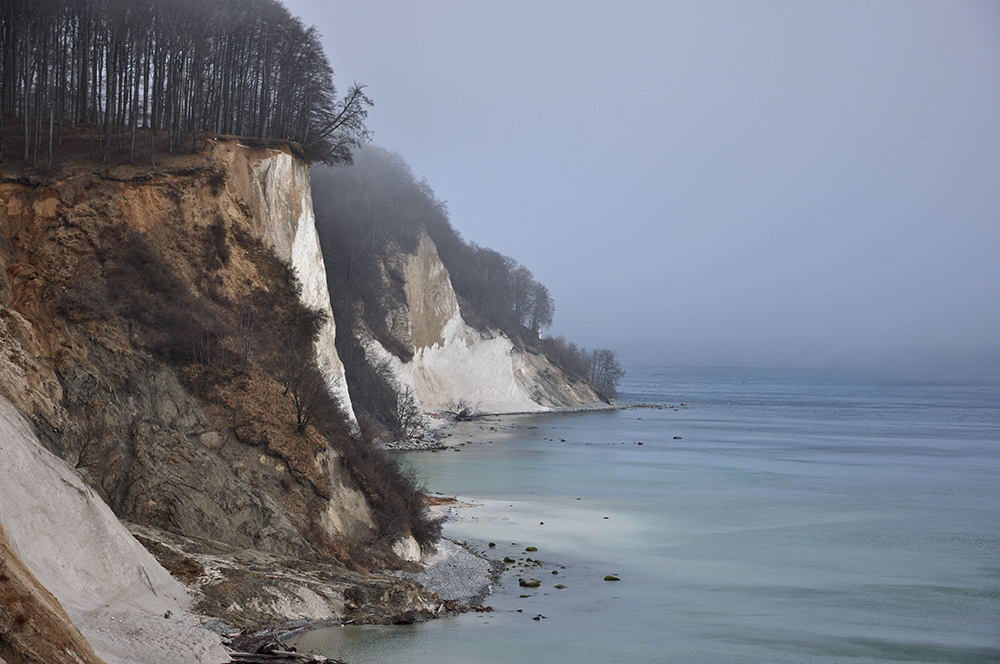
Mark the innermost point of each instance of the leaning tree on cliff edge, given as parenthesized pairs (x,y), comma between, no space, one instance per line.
(174,67)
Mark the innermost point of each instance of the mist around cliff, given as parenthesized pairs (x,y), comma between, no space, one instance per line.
(781,183)
(373,212)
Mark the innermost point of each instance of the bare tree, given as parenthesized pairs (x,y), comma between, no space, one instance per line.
(605,371)
(408,414)
(339,130)
(303,382)
(570,357)
(543,309)
(295,366)
(245,328)
(462,410)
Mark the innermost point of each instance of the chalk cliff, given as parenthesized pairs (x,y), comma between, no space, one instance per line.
(144,321)
(453,362)
(120,290)
(274,186)
(429,321)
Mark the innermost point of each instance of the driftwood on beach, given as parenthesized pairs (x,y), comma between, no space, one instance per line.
(278,656)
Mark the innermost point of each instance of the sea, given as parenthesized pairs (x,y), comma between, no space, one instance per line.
(808,516)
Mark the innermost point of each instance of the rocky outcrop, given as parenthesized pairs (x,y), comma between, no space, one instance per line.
(453,362)
(257,589)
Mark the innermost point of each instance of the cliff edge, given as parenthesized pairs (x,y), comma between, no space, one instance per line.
(167,336)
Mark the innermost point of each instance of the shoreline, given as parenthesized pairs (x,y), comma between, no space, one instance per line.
(461,574)
(691,526)
(484,427)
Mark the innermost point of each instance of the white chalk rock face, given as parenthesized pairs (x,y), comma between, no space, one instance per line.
(114,591)
(454,362)
(280,198)
(407,549)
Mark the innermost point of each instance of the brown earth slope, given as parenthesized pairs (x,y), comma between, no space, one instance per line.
(155,343)
(124,297)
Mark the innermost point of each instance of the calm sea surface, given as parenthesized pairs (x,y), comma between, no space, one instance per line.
(806,516)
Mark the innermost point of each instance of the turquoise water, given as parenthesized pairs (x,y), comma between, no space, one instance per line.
(802,516)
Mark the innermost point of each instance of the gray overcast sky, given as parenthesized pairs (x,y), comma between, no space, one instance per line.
(793,182)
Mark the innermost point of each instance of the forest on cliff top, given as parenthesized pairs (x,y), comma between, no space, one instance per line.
(173,68)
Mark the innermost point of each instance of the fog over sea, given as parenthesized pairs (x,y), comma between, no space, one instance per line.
(778,515)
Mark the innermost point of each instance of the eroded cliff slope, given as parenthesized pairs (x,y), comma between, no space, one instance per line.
(66,557)
(451,362)
(168,334)
(143,324)
(275,186)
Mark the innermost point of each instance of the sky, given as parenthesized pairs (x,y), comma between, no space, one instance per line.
(796,183)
